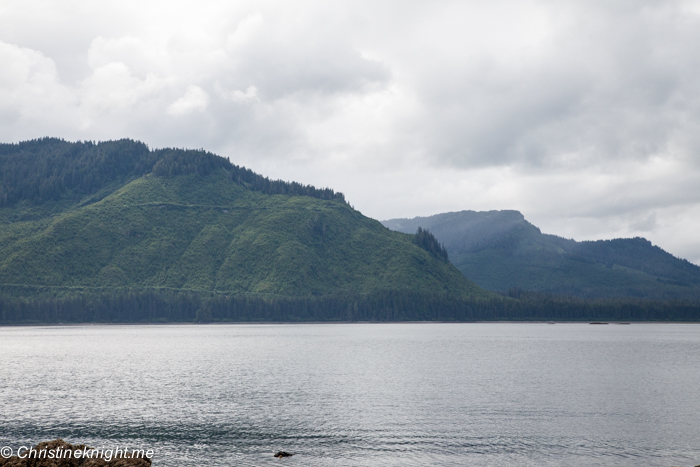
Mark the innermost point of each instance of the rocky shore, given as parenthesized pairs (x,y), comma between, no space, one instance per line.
(58,453)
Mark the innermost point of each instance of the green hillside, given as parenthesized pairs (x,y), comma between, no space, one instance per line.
(79,217)
(500,250)
(118,232)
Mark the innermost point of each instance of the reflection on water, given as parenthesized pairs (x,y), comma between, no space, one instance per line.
(360,394)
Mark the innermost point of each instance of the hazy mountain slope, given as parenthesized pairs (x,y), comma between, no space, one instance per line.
(191,220)
(500,250)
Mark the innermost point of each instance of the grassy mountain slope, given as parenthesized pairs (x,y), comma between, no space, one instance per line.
(116,215)
(500,250)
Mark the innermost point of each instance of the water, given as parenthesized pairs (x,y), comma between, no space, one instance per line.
(492,394)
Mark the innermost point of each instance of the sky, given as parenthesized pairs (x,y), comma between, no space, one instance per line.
(583,115)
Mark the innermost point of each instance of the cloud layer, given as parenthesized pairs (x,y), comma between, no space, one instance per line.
(585,115)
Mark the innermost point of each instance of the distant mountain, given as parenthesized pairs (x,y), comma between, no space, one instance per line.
(500,250)
(79,217)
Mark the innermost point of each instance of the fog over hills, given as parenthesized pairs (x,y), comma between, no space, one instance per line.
(501,250)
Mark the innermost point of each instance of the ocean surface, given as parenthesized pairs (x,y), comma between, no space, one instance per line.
(488,394)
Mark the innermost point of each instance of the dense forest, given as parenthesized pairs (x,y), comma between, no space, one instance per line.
(131,222)
(153,306)
(49,169)
(429,243)
(116,232)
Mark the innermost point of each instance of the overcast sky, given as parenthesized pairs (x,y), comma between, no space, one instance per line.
(583,115)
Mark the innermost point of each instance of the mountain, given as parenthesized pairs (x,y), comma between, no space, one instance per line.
(500,250)
(116,216)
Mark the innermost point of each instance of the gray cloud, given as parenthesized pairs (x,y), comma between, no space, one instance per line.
(616,83)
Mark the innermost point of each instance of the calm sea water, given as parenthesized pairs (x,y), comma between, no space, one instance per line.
(360,394)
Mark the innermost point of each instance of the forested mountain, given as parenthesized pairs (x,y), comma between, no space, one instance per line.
(117,232)
(115,217)
(500,250)
(52,170)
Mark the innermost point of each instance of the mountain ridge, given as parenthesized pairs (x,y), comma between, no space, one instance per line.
(119,215)
(117,232)
(501,250)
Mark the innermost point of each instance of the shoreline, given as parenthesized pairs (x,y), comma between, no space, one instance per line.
(276,323)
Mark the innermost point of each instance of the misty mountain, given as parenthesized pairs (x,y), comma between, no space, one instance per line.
(500,250)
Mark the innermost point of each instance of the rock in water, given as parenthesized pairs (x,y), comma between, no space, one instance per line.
(58,453)
(283,454)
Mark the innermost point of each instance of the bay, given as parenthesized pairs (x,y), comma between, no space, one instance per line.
(487,394)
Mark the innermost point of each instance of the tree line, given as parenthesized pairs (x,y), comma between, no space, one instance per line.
(50,169)
(427,241)
(152,306)
(638,253)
